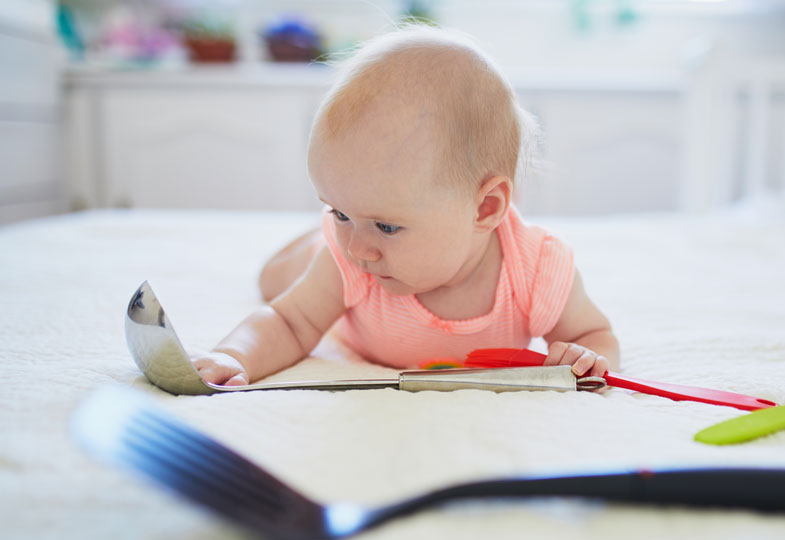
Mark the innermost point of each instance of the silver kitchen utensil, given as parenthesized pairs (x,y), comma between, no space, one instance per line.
(157,351)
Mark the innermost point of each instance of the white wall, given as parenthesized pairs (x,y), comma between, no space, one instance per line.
(31,176)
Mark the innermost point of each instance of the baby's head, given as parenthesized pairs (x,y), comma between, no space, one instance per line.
(415,148)
(435,88)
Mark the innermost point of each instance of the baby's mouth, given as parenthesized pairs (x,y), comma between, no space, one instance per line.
(382,277)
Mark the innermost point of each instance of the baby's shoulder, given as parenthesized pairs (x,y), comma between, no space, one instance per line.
(541,270)
(529,245)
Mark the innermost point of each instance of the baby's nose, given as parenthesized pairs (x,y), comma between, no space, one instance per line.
(361,250)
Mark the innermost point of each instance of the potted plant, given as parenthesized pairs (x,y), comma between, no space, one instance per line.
(208,41)
(291,39)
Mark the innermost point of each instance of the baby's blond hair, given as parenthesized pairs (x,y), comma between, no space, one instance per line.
(472,107)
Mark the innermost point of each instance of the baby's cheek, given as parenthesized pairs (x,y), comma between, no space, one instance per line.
(433,263)
(341,237)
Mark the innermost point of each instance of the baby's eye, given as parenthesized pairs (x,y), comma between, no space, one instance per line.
(387,228)
(340,216)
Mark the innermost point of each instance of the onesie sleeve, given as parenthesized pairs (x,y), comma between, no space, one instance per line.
(549,281)
(356,283)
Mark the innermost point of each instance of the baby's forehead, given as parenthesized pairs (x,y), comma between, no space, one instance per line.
(397,136)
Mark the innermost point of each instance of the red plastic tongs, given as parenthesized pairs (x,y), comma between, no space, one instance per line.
(500,358)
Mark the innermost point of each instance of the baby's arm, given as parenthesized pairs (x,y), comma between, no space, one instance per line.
(276,336)
(582,336)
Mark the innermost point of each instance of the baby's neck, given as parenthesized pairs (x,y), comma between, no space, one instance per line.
(473,290)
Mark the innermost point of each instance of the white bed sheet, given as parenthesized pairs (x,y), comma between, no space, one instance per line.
(694,300)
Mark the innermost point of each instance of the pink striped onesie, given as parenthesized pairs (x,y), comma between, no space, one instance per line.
(534,282)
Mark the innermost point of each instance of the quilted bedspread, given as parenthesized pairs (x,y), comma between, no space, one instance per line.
(694,300)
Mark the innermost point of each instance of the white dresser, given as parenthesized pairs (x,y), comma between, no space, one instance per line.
(235,137)
(223,137)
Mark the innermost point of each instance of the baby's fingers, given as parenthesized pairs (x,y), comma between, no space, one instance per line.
(209,372)
(584,363)
(598,369)
(238,380)
(201,363)
(223,376)
(556,351)
(563,354)
(220,368)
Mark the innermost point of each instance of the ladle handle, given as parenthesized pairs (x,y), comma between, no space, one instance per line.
(558,378)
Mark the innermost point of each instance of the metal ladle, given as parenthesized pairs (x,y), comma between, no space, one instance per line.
(160,355)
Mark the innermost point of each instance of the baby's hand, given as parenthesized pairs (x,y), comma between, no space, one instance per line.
(220,368)
(584,362)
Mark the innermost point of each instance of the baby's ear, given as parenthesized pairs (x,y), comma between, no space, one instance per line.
(493,200)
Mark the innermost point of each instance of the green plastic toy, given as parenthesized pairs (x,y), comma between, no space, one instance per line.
(744,428)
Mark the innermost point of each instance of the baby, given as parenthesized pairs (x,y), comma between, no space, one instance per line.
(415,150)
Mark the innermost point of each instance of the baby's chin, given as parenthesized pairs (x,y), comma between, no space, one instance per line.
(394,286)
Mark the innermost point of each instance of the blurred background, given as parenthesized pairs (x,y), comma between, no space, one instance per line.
(645,105)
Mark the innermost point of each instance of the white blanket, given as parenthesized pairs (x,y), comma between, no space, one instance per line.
(694,301)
